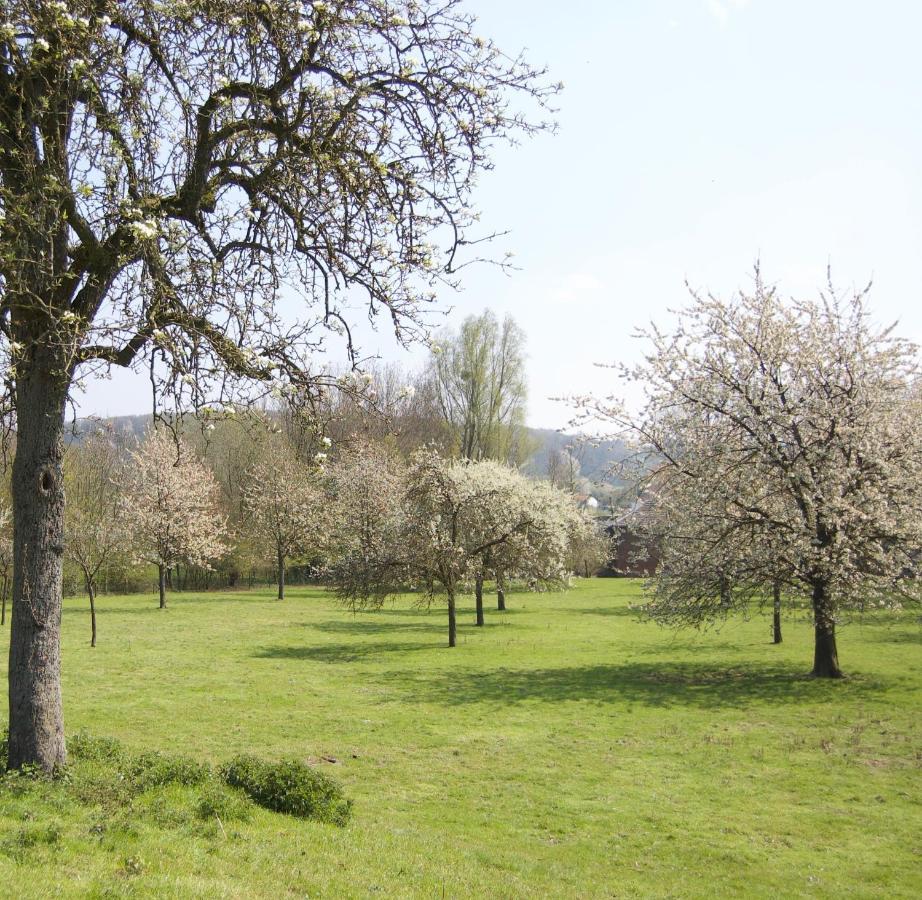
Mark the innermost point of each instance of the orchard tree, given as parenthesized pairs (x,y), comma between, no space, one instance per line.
(368,485)
(170,508)
(785,444)
(452,515)
(284,504)
(170,173)
(94,530)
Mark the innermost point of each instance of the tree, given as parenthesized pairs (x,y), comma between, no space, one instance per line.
(478,378)
(94,530)
(453,515)
(169,505)
(172,173)
(785,444)
(284,505)
(6,560)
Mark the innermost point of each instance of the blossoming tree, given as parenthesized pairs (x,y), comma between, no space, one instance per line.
(285,505)
(170,506)
(170,172)
(785,443)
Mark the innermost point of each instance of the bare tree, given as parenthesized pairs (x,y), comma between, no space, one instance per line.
(95,533)
(169,175)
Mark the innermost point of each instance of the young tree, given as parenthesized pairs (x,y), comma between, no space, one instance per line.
(786,443)
(6,559)
(452,516)
(94,530)
(169,173)
(478,378)
(170,508)
(284,504)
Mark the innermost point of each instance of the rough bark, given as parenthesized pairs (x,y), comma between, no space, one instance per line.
(36,735)
(161,580)
(500,593)
(776,612)
(825,654)
(281,575)
(452,621)
(478,595)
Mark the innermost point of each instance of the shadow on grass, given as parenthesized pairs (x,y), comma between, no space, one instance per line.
(364,625)
(648,684)
(608,611)
(344,653)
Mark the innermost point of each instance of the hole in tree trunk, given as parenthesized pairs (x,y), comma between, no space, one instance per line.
(46,481)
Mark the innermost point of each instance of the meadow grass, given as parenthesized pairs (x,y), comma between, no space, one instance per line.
(564,750)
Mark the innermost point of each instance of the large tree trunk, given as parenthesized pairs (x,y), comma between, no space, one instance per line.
(478,596)
(776,612)
(161,581)
(36,719)
(825,655)
(281,575)
(500,593)
(452,621)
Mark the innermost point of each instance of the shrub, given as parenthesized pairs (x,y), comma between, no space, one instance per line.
(225,803)
(96,749)
(289,787)
(155,769)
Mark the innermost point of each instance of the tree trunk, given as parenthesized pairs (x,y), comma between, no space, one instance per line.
(36,718)
(92,592)
(586,567)
(161,580)
(3,601)
(776,612)
(500,593)
(452,623)
(478,595)
(825,655)
(281,575)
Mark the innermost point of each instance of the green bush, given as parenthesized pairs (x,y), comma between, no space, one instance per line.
(155,769)
(84,746)
(289,787)
(225,803)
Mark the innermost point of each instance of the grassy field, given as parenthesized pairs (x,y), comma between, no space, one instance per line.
(565,750)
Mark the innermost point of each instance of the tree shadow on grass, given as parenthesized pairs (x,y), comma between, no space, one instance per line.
(363,625)
(647,684)
(344,653)
(608,611)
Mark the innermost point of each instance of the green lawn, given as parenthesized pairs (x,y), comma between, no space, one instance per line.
(565,750)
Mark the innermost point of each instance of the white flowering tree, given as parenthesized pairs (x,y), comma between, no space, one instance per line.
(170,173)
(94,531)
(368,487)
(451,517)
(785,445)
(285,505)
(170,507)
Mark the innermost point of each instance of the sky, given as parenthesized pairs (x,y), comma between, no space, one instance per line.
(695,137)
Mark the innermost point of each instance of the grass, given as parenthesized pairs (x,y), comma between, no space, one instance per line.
(565,750)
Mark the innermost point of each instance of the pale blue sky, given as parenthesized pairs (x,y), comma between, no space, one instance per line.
(695,135)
